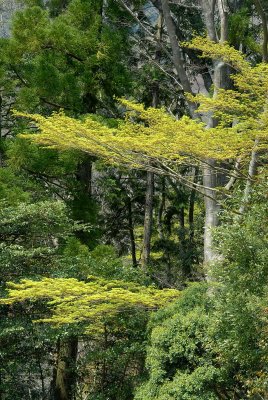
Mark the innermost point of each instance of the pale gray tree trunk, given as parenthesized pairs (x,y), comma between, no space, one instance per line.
(253,165)
(220,76)
(161,208)
(177,55)
(210,180)
(211,210)
(252,171)
(262,14)
(209,8)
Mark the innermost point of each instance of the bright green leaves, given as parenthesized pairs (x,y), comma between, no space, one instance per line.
(151,136)
(13,188)
(75,301)
(219,51)
(160,138)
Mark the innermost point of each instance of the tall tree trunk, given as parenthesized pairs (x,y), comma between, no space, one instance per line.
(211,210)
(177,54)
(65,375)
(210,181)
(263,16)
(84,175)
(220,75)
(149,197)
(253,165)
(252,171)
(208,8)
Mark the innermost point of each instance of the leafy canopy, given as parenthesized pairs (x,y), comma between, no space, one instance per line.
(152,137)
(76,301)
(212,344)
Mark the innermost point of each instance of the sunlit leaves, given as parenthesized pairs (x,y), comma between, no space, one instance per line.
(76,301)
(150,137)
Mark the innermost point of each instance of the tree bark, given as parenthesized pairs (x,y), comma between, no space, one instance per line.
(252,171)
(220,78)
(84,175)
(65,377)
(208,7)
(177,54)
(209,180)
(149,197)
(262,14)
(211,210)
(209,173)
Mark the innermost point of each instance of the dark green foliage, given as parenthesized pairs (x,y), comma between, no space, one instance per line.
(31,235)
(211,343)
(64,214)
(38,240)
(113,363)
(241,325)
(26,357)
(69,61)
(180,359)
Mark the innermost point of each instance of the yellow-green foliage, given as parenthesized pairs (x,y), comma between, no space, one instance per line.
(246,106)
(74,301)
(152,137)
(159,137)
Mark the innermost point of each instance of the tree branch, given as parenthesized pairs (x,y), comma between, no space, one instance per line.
(264,28)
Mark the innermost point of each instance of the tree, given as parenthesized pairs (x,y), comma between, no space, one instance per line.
(222,22)
(210,343)
(149,145)
(94,304)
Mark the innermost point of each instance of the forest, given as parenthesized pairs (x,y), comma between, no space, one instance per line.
(133,200)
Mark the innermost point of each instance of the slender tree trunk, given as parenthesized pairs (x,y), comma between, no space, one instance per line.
(253,165)
(211,205)
(65,376)
(177,54)
(252,171)
(208,7)
(149,197)
(211,210)
(263,16)
(84,175)
(220,76)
